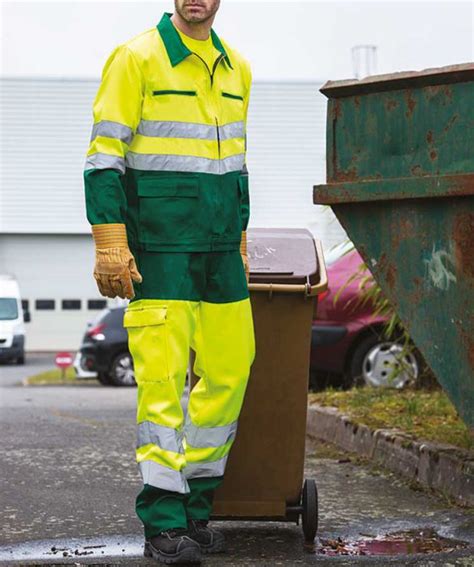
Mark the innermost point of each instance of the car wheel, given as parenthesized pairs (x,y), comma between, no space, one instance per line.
(21,359)
(380,362)
(103,378)
(121,371)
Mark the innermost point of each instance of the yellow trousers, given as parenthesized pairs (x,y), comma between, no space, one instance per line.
(172,447)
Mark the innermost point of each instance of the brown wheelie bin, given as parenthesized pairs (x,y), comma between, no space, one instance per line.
(264,475)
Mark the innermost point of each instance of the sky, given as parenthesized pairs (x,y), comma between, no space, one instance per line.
(286,40)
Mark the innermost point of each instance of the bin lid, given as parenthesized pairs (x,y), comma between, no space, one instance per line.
(282,255)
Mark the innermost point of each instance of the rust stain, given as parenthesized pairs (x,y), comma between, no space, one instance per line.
(444,92)
(452,120)
(448,92)
(411,103)
(382,263)
(430,137)
(462,185)
(407,230)
(337,109)
(463,237)
(433,155)
(417,294)
(468,341)
(416,170)
(432,90)
(470,350)
(391,104)
(391,276)
(357,101)
(401,230)
(346,175)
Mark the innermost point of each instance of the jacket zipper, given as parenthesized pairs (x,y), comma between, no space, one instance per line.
(211,75)
(218,140)
(214,67)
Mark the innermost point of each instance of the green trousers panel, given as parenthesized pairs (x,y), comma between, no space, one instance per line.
(201,496)
(161,509)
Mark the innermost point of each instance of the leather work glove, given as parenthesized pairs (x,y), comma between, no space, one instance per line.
(243,253)
(115,266)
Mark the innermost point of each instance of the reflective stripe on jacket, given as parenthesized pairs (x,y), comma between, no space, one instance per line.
(167,151)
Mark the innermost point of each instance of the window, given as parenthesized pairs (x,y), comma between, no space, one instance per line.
(71,304)
(96,304)
(8,309)
(25,304)
(45,304)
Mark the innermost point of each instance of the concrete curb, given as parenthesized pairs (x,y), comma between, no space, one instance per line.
(443,468)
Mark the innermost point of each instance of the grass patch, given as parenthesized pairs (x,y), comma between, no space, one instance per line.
(54,376)
(427,415)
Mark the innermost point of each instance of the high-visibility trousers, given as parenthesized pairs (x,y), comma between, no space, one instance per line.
(182,458)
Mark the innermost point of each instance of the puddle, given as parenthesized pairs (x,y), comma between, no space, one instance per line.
(396,543)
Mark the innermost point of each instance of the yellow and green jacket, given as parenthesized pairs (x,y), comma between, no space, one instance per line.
(167,151)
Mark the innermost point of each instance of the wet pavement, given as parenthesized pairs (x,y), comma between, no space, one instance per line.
(69,483)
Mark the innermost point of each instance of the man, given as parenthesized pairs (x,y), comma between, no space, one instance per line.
(167,197)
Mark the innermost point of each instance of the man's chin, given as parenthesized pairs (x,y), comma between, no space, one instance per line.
(195,16)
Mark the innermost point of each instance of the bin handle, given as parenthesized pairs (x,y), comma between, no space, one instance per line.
(307,289)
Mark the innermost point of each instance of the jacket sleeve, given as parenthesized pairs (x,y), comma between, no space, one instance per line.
(116,113)
(244,174)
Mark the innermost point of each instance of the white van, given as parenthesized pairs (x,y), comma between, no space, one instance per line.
(12,326)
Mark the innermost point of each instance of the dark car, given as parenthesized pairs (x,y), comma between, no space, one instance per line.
(104,349)
(349,346)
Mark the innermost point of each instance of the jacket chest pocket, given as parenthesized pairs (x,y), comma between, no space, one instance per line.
(169,211)
(232,106)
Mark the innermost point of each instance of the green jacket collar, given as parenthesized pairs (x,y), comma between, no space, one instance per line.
(175,47)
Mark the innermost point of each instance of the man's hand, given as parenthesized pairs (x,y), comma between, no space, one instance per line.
(243,253)
(115,266)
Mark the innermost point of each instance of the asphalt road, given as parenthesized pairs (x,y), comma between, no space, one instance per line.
(13,374)
(69,482)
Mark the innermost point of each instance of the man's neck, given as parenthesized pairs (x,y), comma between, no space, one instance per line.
(196,31)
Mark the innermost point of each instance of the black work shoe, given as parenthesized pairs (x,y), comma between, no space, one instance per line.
(173,546)
(210,540)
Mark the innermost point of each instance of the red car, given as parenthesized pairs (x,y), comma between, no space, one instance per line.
(348,344)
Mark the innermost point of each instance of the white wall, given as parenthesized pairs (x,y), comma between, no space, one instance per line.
(52,267)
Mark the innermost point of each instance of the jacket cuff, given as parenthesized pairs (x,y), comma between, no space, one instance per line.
(110,235)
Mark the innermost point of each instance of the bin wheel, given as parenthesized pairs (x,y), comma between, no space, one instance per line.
(309,503)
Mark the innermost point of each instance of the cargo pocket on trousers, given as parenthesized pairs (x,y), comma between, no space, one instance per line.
(148,343)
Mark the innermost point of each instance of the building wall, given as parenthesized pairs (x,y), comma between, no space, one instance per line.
(52,267)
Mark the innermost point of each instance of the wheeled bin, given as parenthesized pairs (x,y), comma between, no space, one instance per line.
(400,178)
(264,474)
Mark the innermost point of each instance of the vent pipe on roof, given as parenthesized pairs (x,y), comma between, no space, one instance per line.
(364,60)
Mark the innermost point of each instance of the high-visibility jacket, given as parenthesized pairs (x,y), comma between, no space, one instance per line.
(167,151)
